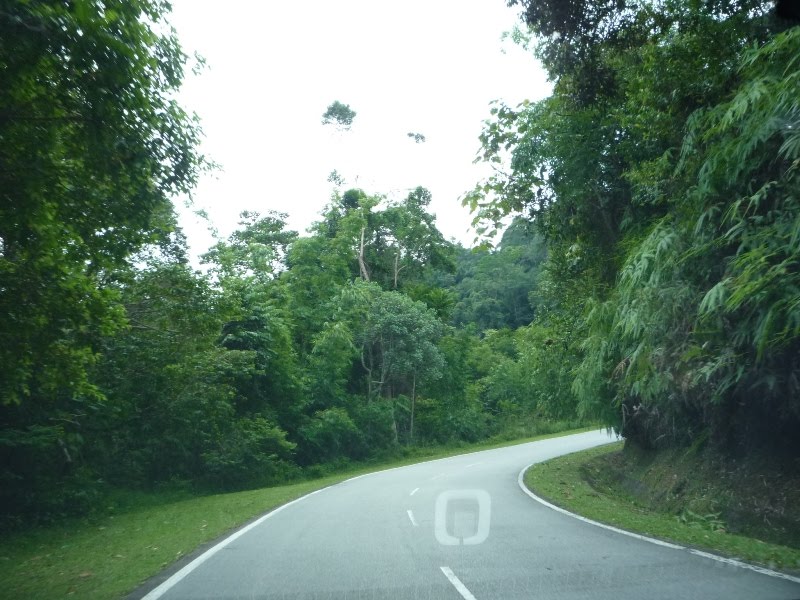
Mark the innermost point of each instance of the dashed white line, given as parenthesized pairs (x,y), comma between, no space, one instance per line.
(438,476)
(412,519)
(474,464)
(460,587)
(414,491)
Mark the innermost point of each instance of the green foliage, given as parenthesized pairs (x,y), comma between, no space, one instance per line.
(165,379)
(389,340)
(122,365)
(94,146)
(253,452)
(339,114)
(705,316)
(709,522)
(254,253)
(398,342)
(331,433)
(663,170)
(494,287)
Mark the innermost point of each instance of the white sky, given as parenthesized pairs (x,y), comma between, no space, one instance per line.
(427,66)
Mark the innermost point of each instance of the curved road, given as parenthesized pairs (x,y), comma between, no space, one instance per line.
(455,528)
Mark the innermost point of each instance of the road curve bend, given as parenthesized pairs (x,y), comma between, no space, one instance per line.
(454,528)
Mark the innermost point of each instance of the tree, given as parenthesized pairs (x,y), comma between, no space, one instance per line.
(398,349)
(166,383)
(256,252)
(246,265)
(94,146)
(495,289)
(339,114)
(702,333)
(391,341)
(451,408)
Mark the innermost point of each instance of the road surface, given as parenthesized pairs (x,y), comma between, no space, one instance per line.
(456,528)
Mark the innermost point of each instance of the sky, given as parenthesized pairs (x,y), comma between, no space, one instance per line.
(272,68)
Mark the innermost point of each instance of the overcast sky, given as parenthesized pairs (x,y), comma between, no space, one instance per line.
(426,66)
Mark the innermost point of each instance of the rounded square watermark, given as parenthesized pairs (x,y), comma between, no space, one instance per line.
(462,517)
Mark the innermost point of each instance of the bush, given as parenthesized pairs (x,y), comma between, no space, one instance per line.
(329,434)
(253,452)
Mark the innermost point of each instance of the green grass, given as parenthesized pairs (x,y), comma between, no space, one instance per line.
(563,481)
(109,556)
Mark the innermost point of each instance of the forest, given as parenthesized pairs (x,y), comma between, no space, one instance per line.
(640,264)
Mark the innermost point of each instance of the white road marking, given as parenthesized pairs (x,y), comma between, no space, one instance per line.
(460,587)
(585,520)
(438,476)
(414,491)
(164,587)
(728,561)
(743,565)
(474,464)
(177,577)
(411,518)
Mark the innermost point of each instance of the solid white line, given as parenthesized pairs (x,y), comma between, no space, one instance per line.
(412,519)
(460,587)
(744,565)
(178,576)
(729,561)
(585,520)
(414,491)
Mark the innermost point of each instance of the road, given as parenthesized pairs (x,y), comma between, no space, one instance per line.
(456,528)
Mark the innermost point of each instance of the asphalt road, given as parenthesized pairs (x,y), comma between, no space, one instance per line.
(456,528)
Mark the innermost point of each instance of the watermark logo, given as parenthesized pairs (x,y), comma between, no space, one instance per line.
(462,517)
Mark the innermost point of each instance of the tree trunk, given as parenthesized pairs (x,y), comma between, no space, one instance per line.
(397,267)
(361,264)
(394,421)
(369,374)
(413,402)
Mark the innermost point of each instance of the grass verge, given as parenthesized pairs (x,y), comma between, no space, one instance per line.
(109,556)
(565,481)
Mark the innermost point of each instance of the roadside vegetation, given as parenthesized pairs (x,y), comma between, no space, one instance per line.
(124,368)
(747,513)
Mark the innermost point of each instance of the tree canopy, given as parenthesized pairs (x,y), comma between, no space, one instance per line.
(94,148)
(339,114)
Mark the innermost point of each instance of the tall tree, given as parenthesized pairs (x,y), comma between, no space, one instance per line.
(94,147)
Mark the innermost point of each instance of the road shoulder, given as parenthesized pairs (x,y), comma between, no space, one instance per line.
(562,484)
